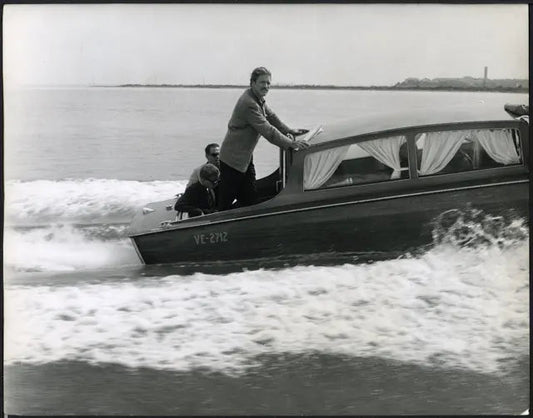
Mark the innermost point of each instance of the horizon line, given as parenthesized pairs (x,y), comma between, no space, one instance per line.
(279,85)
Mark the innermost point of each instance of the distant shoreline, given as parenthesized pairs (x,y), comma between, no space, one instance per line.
(331,87)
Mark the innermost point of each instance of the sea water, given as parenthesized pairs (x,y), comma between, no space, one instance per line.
(81,310)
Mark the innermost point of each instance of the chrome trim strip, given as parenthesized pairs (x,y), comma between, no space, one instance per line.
(352,202)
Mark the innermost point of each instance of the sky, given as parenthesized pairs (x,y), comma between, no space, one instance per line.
(339,44)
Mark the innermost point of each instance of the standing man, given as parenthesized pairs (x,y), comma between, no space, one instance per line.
(251,118)
(212,152)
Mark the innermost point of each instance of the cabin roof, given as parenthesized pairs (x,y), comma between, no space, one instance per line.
(380,121)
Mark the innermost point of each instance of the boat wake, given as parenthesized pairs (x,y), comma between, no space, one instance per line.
(43,202)
(462,302)
(67,247)
(473,228)
(73,225)
(446,309)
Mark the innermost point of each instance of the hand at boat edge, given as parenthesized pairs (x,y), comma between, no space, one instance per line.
(298,145)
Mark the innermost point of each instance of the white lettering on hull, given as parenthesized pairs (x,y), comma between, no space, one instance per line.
(211,238)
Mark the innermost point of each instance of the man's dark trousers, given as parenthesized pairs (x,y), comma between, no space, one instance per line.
(236,185)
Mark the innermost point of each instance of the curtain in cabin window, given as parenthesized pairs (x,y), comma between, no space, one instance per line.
(386,151)
(320,166)
(499,145)
(439,149)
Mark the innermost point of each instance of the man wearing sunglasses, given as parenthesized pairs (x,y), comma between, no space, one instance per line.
(212,151)
(200,197)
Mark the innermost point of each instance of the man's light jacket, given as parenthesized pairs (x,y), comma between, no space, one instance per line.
(250,119)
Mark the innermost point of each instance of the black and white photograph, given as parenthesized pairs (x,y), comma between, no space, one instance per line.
(266,209)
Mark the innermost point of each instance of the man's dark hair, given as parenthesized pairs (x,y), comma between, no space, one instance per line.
(259,71)
(208,148)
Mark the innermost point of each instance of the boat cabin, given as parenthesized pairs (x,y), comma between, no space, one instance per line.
(363,158)
(373,176)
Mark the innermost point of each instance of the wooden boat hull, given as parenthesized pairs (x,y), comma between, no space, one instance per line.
(399,222)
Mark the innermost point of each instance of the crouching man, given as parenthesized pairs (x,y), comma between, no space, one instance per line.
(200,198)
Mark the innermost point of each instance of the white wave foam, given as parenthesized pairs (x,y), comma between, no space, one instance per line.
(453,308)
(63,248)
(43,201)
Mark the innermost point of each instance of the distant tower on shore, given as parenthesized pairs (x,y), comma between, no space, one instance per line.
(485,76)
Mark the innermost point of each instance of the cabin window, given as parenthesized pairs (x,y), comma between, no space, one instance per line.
(382,159)
(457,151)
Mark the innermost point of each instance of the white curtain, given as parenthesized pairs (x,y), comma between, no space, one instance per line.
(320,166)
(386,151)
(499,145)
(439,149)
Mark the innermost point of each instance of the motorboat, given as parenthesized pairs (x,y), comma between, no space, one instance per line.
(372,184)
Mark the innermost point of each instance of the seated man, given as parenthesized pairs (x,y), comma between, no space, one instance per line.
(200,197)
(212,152)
